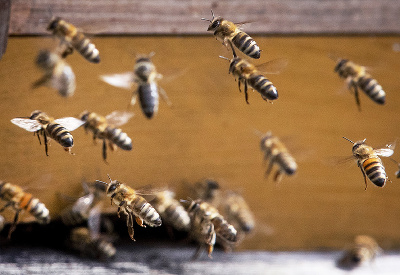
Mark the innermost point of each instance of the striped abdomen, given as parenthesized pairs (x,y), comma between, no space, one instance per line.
(145,211)
(177,216)
(375,171)
(60,134)
(286,162)
(35,208)
(119,138)
(371,87)
(262,85)
(148,98)
(223,229)
(65,83)
(246,44)
(85,47)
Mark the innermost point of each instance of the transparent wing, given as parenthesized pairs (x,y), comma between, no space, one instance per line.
(387,151)
(83,204)
(30,125)
(118,118)
(94,221)
(123,80)
(274,66)
(71,123)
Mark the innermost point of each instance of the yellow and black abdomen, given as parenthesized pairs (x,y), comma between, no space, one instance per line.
(36,208)
(375,171)
(262,85)
(371,87)
(148,98)
(246,44)
(145,211)
(60,134)
(86,48)
(119,138)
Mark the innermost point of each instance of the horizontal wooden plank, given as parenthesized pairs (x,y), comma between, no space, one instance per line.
(5,6)
(183,17)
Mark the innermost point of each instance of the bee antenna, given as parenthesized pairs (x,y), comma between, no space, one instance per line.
(349,139)
(205,19)
(109,177)
(223,57)
(99,181)
(212,14)
(258,132)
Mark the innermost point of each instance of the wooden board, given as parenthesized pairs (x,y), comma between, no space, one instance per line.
(183,17)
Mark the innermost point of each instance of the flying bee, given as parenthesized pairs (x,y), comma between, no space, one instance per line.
(105,128)
(170,210)
(202,212)
(72,38)
(58,129)
(57,73)
(249,75)
(357,78)
(146,77)
(276,152)
(85,206)
(132,204)
(225,31)
(364,249)
(19,200)
(238,212)
(2,223)
(207,190)
(369,162)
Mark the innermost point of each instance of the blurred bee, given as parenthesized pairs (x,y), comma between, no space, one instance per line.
(2,223)
(238,212)
(81,240)
(85,206)
(42,124)
(275,151)
(170,210)
(133,205)
(357,77)
(146,77)
(207,190)
(18,200)
(249,75)
(369,162)
(202,214)
(364,249)
(57,73)
(225,30)
(104,128)
(73,39)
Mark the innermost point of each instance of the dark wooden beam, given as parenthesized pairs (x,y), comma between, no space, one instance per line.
(5,7)
(183,17)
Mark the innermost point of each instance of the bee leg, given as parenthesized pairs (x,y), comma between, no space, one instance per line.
(139,221)
(38,136)
(112,146)
(133,99)
(129,224)
(270,165)
(119,206)
(5,206)
(45,143)
(104,151)
(40,82)
(198,252)
(245,92)
(365,177)
(278,176)
(164,96)
(356,94)
(14,224)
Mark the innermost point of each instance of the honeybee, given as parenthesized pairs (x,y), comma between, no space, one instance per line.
(42,124)
(207,190)
(57,73)
(276,152)
(73,39)
(104,128)
(369,162)
(19,200)
(202,214)
(146,77)
(225,30)
(2,223)
(84,206)
(357,77)
(170,210)
(81,240)
(364,249)
(238,212)
(249,74)
(133,205)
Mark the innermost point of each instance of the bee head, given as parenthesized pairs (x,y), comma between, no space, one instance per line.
(53,23)
(340,64)
(111,187)
(214,22)
(84,115)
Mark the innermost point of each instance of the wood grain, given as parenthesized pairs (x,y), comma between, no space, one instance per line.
(5,6)
(183,17)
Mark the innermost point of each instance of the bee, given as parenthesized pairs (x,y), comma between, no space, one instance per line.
(81,240)
(249,75)
(42,124)
(364,249)
(207,190)
(2,223)
(132,204)
(57,73)
(237,211)
(104,128)
(369,162)
(73,39)
(202,214)
(276,152)
(19,200)
(170,210)
(225,31)
(84,207)
(146,77)
(357,78)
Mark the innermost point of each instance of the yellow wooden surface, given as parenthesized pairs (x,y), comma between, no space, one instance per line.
(209,132)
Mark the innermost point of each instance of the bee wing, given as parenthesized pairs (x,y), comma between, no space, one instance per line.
(83,204)
(274,66)
(30,125)
(94,221)
(118,118)
(70,123)
(123,80)
(387,151)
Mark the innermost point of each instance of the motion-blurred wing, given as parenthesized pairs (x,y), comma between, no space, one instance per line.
(30,125)
(118,118)
(70,123)
(123,80)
